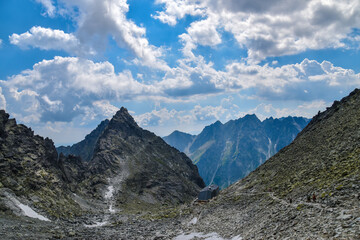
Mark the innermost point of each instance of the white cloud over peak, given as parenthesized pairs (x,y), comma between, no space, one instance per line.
(308,80)
(266,110)
(272,28)
(50,39)
(193,120)
(64,88)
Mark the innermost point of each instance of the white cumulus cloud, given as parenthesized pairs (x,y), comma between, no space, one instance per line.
(64,88)
(178,9)
(97,20)
(50,39)
(271,28)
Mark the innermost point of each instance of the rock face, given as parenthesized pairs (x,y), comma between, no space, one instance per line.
(29,168)
(141,167)
(308,190)
(85,148)
(225,153)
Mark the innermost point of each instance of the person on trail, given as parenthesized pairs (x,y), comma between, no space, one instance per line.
(308,198)
(314,197)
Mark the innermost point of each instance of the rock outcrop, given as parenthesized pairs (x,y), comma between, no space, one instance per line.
(29,169)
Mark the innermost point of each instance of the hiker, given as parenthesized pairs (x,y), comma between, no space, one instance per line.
(314,197)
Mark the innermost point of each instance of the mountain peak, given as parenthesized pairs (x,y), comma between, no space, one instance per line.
(251,117)
(123,116)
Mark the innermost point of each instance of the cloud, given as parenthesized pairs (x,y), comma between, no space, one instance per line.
(193,120)
(271,28)
(200,33)
(308,80)
(306,109)
(188,80)
(175,10)
(49,6)
(97,20)
(64,88)
(49,39)
(1,42)
(258,6)
(164,121)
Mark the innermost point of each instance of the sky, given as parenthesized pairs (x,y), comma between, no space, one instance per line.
(66,65)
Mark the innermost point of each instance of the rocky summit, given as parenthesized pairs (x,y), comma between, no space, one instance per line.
(141,167)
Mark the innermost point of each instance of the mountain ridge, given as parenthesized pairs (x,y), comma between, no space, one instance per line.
(227,152)
(308,190)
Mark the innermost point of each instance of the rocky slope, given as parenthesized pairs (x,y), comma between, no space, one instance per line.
(141,167)
(30,172)
(131,170)
(225,153)
(309,190)
(85,148)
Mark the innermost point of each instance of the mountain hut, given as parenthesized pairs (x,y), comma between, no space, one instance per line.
(208,192)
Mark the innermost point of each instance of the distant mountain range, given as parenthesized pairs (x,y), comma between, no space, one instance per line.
(310,189)
(225,153)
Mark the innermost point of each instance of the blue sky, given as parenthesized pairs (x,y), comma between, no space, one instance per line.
(65,65)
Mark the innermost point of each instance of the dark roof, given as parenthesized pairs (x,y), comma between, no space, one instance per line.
(208,192)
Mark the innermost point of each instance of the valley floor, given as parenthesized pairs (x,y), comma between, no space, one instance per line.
(244,215)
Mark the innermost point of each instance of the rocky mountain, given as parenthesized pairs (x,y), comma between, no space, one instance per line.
(140,167)
(32,173)
(225,153)
(179,140)
(131,169)
(85,148)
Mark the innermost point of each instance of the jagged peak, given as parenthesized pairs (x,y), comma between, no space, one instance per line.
(249,117)
(124,116)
